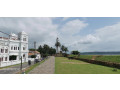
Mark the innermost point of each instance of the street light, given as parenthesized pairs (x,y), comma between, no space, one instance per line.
(21,64)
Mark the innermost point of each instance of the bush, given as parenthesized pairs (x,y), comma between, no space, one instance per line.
(65,55)
(44,55)
(75,52)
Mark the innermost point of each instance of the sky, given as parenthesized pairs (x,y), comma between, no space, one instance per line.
(85,34)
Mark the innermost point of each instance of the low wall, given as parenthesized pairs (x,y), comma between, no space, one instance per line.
(13,62)
(31,59)
(3,64)
(109,64)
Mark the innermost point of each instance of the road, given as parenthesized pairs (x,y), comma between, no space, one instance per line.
(48,67)
(14,69)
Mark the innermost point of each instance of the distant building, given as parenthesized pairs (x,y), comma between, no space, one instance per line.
(13,48)
(38,55)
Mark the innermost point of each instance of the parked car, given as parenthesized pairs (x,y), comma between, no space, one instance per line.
(36,60)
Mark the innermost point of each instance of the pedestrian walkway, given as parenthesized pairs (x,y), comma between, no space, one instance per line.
(48,67)
(14,69)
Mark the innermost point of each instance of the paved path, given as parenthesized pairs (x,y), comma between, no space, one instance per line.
(48,67)
(13,69)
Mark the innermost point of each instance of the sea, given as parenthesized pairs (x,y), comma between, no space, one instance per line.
(100,53)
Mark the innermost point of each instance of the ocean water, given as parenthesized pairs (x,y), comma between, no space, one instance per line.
(101,53)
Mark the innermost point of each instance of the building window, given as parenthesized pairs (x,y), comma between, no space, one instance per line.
(23,48)
(18,48)
(2,59)
(23,55)
(12,48)
(2,50)
(13,57)
(5,58)
(24,39)
(6,50)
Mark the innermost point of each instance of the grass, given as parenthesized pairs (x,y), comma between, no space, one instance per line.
(112,58)
(82,56)
(108,58)
(86,56)
(65,66)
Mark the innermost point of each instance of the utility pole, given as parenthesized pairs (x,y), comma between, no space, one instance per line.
(35,45)
(35,48)
(21,64)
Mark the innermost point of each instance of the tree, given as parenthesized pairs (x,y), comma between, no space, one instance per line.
(40,49)
(52,51)
(66,49)
(32,49)
(46,50)
(75,52)
(62,48)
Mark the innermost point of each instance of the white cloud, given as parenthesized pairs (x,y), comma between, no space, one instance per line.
(65,18)
(39,29)
(43,31)
(73,27)
(89,39)
(107,39)
(104,39)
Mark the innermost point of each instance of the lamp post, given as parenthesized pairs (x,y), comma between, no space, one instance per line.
(21,64)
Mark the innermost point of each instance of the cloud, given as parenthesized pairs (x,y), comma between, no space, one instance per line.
(73,27)
(45,30)
(104,39)
(39,29)
(107,39)
(89,39)
(65,18)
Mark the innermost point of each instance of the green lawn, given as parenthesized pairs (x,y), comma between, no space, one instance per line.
(112,58)
(86,56)
(108,58)
(82,56)
(65,66)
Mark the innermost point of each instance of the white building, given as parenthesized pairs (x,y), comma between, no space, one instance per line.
(38,55)
(13,48)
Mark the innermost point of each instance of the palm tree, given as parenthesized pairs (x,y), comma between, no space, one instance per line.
(62,48)
(66,49)
(57,44)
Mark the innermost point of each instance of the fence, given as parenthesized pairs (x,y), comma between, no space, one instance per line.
(13,62)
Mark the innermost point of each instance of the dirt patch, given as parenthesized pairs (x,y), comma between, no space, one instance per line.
(74,63)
